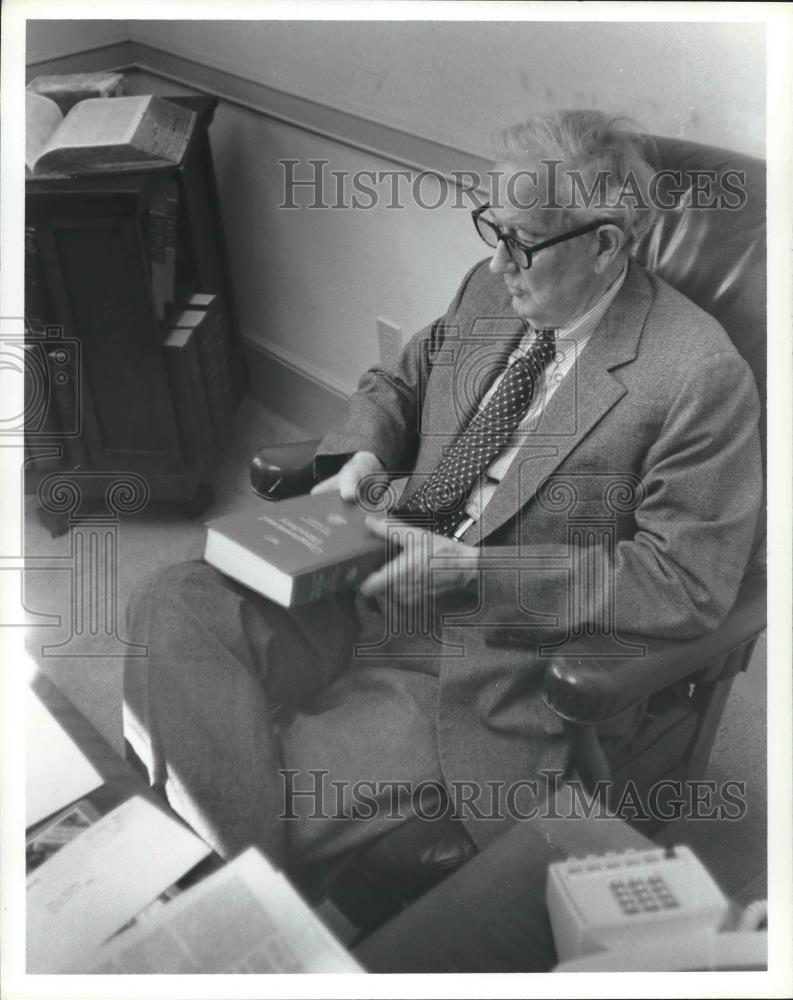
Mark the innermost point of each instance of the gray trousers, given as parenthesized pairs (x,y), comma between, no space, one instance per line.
(263,727)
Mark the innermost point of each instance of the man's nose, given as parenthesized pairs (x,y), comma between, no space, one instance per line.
(501,262)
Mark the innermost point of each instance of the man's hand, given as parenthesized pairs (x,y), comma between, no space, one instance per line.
(362,463)
(428,565)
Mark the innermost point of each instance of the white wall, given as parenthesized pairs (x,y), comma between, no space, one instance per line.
(310,284)
(455,82)
(50,39)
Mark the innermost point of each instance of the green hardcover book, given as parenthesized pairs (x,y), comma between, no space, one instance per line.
(234,359)
(211,303)
(208,325)
(296,551)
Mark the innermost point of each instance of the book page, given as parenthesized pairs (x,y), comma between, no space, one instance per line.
(42,118)
(99,121)
(245,918)
(101,879)
(117,133)
(62,830)
(56,771)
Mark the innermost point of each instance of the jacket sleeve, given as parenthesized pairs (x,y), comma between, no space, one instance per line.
(384,413)
(678,576)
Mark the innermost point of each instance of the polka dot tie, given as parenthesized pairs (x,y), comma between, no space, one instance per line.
(442,498)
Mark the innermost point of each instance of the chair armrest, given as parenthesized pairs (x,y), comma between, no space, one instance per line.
(279,471)
(582,688)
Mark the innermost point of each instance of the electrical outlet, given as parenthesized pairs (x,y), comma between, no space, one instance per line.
(389,337)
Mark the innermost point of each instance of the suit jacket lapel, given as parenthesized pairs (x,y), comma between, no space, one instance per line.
(588,392)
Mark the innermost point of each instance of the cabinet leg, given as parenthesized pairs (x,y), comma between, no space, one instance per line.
(203,497)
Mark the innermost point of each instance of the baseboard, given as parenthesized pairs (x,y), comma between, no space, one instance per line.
(292,393)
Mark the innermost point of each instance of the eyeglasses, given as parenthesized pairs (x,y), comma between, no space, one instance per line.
(521,253)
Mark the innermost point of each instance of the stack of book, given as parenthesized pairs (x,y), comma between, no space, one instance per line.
(197,347)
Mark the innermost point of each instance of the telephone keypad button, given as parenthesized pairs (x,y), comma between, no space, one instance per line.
(638,895)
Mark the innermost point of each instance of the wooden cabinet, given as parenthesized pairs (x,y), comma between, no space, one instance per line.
(97,372)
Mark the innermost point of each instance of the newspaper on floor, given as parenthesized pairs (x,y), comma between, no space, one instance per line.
(245,918)
(96,883)
(60,831)
(57,772)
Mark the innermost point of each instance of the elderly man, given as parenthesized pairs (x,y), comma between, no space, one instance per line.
(563,379)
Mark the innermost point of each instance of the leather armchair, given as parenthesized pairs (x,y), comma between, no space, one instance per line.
(715,256)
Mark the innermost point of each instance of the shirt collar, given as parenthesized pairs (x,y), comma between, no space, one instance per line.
(583,325)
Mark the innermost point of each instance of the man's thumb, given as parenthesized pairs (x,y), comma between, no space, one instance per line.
(349,477)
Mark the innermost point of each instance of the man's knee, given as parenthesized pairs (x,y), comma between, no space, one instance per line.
(163,586)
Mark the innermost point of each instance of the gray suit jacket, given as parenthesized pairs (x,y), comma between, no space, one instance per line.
(630,508)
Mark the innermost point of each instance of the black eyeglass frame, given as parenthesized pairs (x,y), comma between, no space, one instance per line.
(529,251)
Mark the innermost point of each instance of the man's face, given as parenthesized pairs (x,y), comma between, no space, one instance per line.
(563,280)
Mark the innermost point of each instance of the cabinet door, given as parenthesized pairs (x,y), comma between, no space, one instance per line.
(99,286)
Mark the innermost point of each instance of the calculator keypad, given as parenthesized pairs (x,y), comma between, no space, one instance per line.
(643,895)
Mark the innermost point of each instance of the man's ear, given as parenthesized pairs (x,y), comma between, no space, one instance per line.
(611,241)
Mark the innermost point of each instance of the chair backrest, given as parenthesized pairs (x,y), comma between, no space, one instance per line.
(716,256)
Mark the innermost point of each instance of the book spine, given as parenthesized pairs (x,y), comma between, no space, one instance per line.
(234,359)
(183,371)
(214,366)
(315,584)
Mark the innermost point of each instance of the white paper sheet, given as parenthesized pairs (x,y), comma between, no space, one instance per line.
(56,771)
(245,918)
(95,884)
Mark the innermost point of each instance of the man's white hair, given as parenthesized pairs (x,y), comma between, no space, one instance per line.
(601,167)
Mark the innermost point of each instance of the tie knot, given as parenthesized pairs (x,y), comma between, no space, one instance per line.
(546,335)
